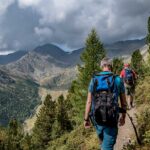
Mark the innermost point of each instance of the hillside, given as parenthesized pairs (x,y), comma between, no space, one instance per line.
(122,48)
(18,98)
(52,67)
(46,70)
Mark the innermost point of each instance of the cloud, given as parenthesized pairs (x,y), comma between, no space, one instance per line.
(6,52)
(2,43)
(27,3)
(43,32)
(4,4)
(28,23)
(17,28)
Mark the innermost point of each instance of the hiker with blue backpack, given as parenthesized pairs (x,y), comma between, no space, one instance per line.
(129,77)
(102,106)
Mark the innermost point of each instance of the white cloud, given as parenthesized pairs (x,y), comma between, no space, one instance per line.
(26,3)
(4,4)
(43,33)
(6,52)
(68,22)
(3,45)
(16,44)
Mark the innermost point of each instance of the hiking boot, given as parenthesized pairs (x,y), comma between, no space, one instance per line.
(132,105)
(129,107)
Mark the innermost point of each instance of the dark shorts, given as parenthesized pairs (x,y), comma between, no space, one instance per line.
(129,89)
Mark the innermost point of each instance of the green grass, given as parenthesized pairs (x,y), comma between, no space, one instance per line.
(78,139)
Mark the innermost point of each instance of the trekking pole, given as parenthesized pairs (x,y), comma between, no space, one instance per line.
(135,130)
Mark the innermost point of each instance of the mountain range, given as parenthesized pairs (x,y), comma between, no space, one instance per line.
(50,66)
(72,58)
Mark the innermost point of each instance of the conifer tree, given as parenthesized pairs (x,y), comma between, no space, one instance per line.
(62,116)
(62,123)
(42,131)
(3,138)
(137,62)
(117,65)
(148,43)
(15,135)
(91,57)
(148,35)
(27,142)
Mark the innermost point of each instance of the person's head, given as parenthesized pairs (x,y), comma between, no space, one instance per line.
(126,65)
(106,64)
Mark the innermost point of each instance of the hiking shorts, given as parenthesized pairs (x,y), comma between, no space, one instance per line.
(130,90)
(107,135)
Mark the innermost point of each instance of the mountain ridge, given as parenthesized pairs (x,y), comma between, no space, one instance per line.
(50,66)
(72,58)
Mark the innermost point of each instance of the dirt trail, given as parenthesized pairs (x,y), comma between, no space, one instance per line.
(126,132)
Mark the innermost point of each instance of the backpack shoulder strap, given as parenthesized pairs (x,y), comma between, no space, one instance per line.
(111,85)
(106,74)
(95,83)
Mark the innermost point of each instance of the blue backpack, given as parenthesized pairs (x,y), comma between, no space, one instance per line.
(129,78)
(105,100)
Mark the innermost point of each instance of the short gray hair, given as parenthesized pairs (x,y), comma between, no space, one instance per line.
(106,62)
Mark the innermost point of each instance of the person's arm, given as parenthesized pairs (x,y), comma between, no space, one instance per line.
(87,110)
(134,74)
(123,103)
(88,106)
(122,74)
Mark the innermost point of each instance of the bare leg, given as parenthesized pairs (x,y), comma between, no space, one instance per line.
(129,101)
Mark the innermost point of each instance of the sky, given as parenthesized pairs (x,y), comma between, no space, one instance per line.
(25,24)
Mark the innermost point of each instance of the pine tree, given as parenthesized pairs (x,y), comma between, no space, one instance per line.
(91,57)
(15,135)
(27,142)
(117,65)
(42,131)
(148,35)
(62,123)
(62,116)
(3,138)
(148,43)
(137,62)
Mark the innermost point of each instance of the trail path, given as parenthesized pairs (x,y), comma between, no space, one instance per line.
(126,132)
